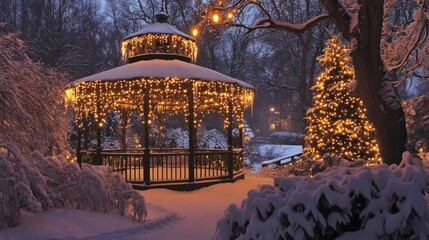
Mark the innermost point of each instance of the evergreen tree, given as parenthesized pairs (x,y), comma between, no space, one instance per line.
(337,122)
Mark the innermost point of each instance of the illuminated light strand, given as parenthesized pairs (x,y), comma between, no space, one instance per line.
(159,43)
(169,95)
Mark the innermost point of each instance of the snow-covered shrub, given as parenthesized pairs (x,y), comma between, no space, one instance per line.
(381,202)
(137,201)
(211,139)
(176,138)
(36,183)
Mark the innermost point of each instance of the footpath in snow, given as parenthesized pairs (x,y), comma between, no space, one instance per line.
(172,215)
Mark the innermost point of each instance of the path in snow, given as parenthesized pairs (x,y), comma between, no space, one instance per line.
(172,215)
(199,210)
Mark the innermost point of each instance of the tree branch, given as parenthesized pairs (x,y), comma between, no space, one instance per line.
(341,17)
(271,22)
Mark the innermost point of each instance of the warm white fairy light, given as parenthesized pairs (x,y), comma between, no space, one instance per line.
(168,94)
(159,43)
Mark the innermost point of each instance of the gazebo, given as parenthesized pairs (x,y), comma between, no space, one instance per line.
(160,79)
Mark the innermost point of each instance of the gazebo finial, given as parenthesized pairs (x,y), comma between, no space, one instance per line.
(162,16)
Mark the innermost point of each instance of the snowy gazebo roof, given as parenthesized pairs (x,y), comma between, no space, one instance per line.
(159,68)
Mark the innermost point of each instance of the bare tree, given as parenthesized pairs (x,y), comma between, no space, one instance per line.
(64,34)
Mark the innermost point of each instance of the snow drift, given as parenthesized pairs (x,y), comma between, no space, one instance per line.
(384,202)
(37,183)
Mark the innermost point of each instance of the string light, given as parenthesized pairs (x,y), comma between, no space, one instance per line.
(216,17)
(160,44)
(195,32)
(337,122)
(168,95)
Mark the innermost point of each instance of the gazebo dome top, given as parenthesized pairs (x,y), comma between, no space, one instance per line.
(159,40)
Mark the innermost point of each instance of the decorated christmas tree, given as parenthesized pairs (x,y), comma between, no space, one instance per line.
(337,122)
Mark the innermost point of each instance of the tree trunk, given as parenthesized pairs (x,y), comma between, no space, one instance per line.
(385,112)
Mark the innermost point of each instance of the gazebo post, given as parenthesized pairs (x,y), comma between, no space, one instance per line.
(146,166)
(240,137)
(98,160)
(124,128)
(230,147)
(85,126)
(79,144)
(192,142)
(160,127)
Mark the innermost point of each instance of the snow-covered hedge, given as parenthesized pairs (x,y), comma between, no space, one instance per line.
(379,202)
(37,183)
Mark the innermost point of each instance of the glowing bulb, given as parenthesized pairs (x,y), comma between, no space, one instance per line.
(195,32)
(230,15)
(215,18)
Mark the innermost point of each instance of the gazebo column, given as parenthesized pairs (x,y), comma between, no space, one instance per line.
(192,134)
(230,147)
(160,127)
(124,114)
(240,137)
(85,125)
(79,143)
(98,160)
(146,109)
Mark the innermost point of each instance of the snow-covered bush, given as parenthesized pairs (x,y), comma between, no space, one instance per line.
(36,183)
(381,202)
(211,139)
(176,138)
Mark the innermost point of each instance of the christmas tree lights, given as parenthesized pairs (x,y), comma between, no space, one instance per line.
(337,122)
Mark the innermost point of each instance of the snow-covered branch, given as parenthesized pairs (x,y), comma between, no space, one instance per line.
(271,22)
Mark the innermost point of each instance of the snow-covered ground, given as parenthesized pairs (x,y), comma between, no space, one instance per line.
(172,215)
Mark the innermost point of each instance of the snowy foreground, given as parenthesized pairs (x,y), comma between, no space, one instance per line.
(172,215)
(350,203)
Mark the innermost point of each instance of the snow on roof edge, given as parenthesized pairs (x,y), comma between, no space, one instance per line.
(159,68)
(159,28)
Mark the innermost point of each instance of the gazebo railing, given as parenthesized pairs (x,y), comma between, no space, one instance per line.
(168,165)
(211,164)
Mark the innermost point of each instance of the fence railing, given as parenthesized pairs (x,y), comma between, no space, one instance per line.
(169,165)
